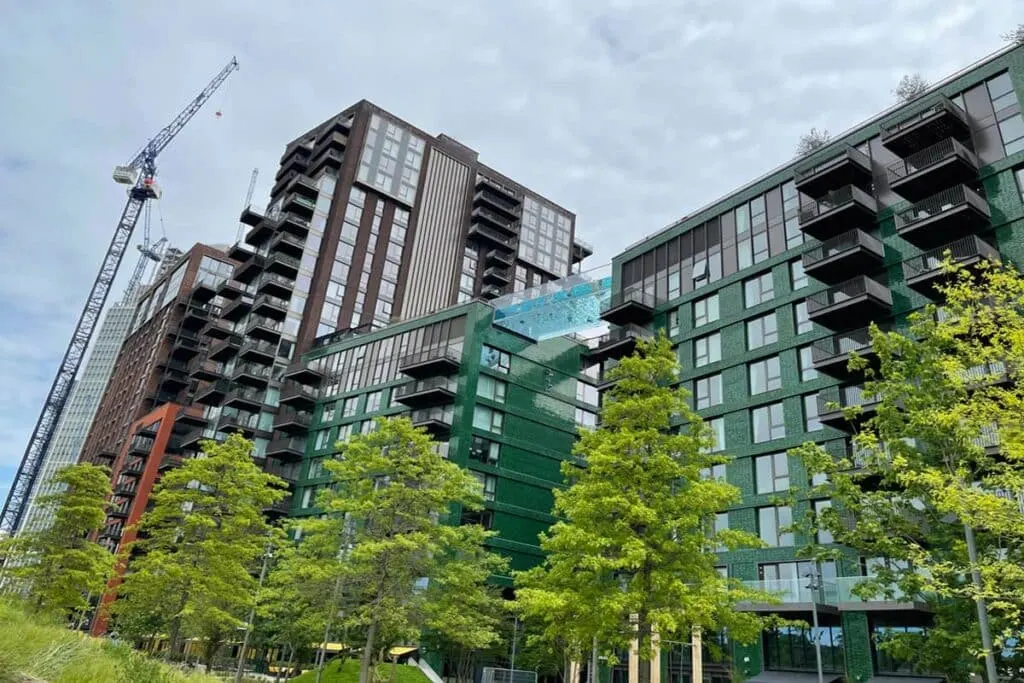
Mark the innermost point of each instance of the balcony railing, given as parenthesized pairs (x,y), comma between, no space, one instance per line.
(835,399)
(843,242)
(437,415)
(239,422)
(258,347)
(929,156)
(938,204)
(942,107)
(845,291)
(484,181)
(479,230)
(846,585)
(796,591)
(961,250)
(298,419)
(841,344)
(273,279)
(848,153)
(441,354)
(253,369)
(833,200)
(291,390)
(487,214)
(444,384)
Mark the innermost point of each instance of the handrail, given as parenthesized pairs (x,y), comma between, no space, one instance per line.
(834,200)
(844,241)
(426,384)
(632,295)
(490,234)
(431,354)
(622,333)
(961,249)
(942,105)
(846,151)
(929,156)
(841,344)
(857,286)
(941,202)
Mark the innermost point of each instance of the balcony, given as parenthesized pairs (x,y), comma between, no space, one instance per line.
(499,257)
(849,167)
(855,302)
(944,164)
(173,379)
(832,402)
(304,186)
(925,274)
(197,315)
(192,438)
(125,489)
(162,395)
(633,306)
(493,219)
(497,275)
(119,512)
(250,216)
(238,309)
(218,328)
(285,243)
(189,417)
(299,205)
(844,256)
(240,251)
(499,202)
(291,421)
(444,360)
(203,289)
(260,232)
(264,328)
(330,158)
(793,595)
(831,355)
(294,161)
(290,472)
(940,121)
(886,599)
(581,250)
(251,374)
(437,421)
(287,448)
(490,292)
(303,373)
(140,445)
(427,392)
(246,425)
(496,188)
(105,457)
(952,213)
(134,467)
(185,345)
(837,211)
(250,269)
(618,343)
(487,236)
(275,285)
(231,289)
(280,508)
(258,352)
(297,395)
(282,264)
(202,368)
(168,462)
(244,398)
(225,349)
(213,393)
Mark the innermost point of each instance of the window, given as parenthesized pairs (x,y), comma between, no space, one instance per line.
(489,484)
(791,648)
(1019,174)
(769,422)
(705,310)
(721,524)
(673,323)
(824,535)
(758,290)
(373,401)
(765,375)
(762,331)
(802,320)
(717,427)
(328,412)
(1000,91)
(323,439)
(807,371)
(713,473)
(797,276)
(707,349)
(1012,130)
(587,393)
(771,522)
(349,405)
(811,421)
(484,518)
(488,419)
(771,473)
(490,388)
(484,450)
(495,359)
(586,419)
(709,391)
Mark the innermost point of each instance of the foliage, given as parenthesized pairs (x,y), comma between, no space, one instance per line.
(634,553)
(394,500)
(945,452)
(35,648)
(910,87)
(1016,36)
(202,539)
(348,672)
(812,140)
(60,567)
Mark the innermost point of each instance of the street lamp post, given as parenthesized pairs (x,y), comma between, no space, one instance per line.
(267,555)
(814,586)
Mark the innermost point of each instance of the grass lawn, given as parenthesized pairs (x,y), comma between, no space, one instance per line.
(34,649)
(349,673)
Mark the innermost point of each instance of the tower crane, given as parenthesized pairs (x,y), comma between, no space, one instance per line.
(139,174)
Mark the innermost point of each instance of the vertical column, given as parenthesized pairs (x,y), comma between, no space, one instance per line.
(857,646)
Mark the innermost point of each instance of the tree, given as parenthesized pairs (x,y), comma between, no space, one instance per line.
(942,459)
(634,552)
(811,141)
(59,567)
(399,499)
(1016,36)
(200,544)
(910,87)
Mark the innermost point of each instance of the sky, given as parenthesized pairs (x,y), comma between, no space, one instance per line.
(632,113)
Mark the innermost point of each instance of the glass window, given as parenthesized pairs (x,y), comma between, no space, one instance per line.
(1012,130)
(495,359)
(328,412)
(771,472)
(811,421)
(802,318)
(793,647)
(587,393)
(349,405)
(490,388)
(586,419)
(373,401)
(484,450)
(824,535)
(769,422)
(707,349)
(708,391)
(715,472)
(1000,91)
(765,375)
(323,439)
(1019,174)
(807,371)
(673,323)
(771,522)
(488,419)
(489,484)
(762,331)
(717,427)
(797,276)
(758,290)
(705,310)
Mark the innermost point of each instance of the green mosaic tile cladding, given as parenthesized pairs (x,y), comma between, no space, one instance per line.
(734,402)
(537,405)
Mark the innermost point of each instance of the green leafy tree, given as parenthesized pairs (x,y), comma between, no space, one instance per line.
(942,458)
(634,552)
(59,567)
(399,500)
(201,541)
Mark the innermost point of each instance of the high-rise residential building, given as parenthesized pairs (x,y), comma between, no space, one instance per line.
(79,411)
(765,292)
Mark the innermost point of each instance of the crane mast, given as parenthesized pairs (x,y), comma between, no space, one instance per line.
(140,174)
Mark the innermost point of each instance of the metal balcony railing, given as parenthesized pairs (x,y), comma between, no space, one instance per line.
(846,585)
(989,437)
(289,473)
(290,444)
(260,347)
(929,156)
(841,344)
(274,278)
(253,369)
(632,295)
(943,105)
(270,300)
(833,200)
(239,421)
(410,388)
(438,414)
(946,200)
(850,289)
(441,353)
(290,415)
(832,399)
(284,259)
(497,187)
(494,217)
(264,322)
(959,250)
(843,242)
(291,389)
(790,591)
(847,152)
(621,333)
(491,234)
(289,239)
(245,394)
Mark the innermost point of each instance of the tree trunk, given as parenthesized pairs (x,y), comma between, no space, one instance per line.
(367,656)
(212,645)
(173,641)
(643,649)
(394,669)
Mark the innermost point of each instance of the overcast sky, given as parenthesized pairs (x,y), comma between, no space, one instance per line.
(629,112)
